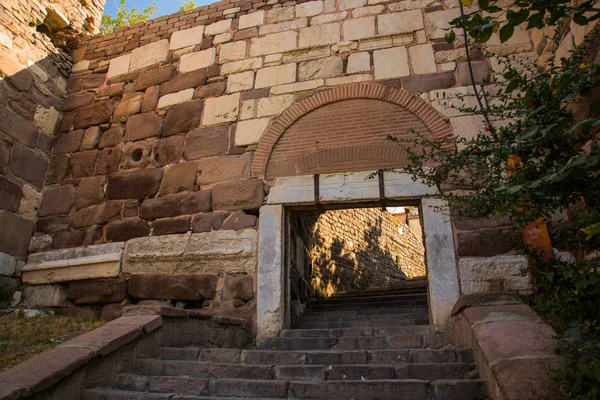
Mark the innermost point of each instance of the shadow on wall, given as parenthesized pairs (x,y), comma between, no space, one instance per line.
(359,249)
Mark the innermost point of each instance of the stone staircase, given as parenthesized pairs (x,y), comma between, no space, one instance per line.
(374,344)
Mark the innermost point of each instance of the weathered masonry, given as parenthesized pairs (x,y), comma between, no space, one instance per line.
(167,170)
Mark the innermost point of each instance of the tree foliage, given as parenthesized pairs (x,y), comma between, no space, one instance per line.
(187,6)
(126,17)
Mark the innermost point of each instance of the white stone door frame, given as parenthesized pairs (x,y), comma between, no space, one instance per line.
(348,188)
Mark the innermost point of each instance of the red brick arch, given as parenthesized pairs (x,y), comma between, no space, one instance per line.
(434,123)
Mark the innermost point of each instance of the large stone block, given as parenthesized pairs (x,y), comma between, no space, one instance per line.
(499,273)
(119,66)
(391,63)
(197,60)
(437,22)
(187,37)
(78,100)
(178,178)
(232,51)
(149,54)
(239,287)
(94,114)
(275,43)
(240,82)
(52,224)
(321,68)
(129,105)
(10,195)
(169,226)
(175,205)
(83,163)
(175,98)
(210,252)
(319,35)
(134,185)
(359,28)
(486,243)
(422,59)
(182,117)
(359,62)
(249,132)
(100,261)
(221,169)
(15,234)
(254,19)
(181,82)
(152,77)
(111,137)
(101,291)
(169,150)
(125,230)
(397,23)
(46,296)
(173,287)
(221,109)
(238,195)
(90,191)
(217,27)
(91,138)
(274,105)
(16,127)
(28,165)
(422,84)
(207,142)
(143,126)
(8,264)
(57,200)
(273,76)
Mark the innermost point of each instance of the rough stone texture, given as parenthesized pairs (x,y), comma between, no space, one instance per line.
(111,137)
(239,195)
(134,185)
(152,77)
(239,220)
(391,63)
(207,142)
(420,84)
(90,191)
(481,72)
(210,252)
(249,132)
(97,291)
(197,60)
(15,234)
(182,117)
(175,98)
(173,287)
(319,35)
(168,151)
(168,226)
(91,138)
(499,273)
(97,214)
(175,205)
(10,195)
(178,178)
(129,105)
(8,264)
(220,169)
(221,109)
(273,76)
(359,62)
(149,54)
(94,114)
(186,37)
(45,296)
(322,68)
(143,126)
(239,287)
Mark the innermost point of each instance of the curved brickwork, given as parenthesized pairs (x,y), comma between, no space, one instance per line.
(358,113)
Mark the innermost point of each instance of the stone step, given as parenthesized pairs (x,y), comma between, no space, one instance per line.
(355,342)
(390,330)
(368,311)
(356,304)
(334,317)
(359,324)
(374,298)
(326,357)
(115,394)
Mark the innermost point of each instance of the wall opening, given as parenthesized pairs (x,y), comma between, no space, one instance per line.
(351,249)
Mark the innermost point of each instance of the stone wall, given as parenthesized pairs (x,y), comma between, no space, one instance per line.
(35,37)
(357,249)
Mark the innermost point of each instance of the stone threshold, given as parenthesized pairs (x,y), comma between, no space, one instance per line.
(172,312)
(44,372)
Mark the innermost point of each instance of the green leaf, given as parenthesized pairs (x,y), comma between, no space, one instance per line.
(450,36)
(591,230)
(484,4)
(505,33)
(536,21)
(513,84)
(580,19)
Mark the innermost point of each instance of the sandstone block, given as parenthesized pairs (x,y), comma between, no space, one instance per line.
(329,18)
(319,35)
(149,54)
(173,287)
(121,231)
(30,202)
(152,77)
(119,66)
(222,38)
(207,142)
(421,84)
(178,178)
(182,117)
(169,226)
(239,287)
(372,10)
(391,63)
(111,312)
(220,169)
(108,161)
(309,9)
(59,169)
(481,72)
(150,101)
(187,37)
(97,291)
(280,14)
(175,98)
(28,165)
(274,105)
(97,214)
(275,43)
(57,200)
(46,296)
(134,185)
(359,28)
(239,220)
(210,252)
(321,68)
(129,105)
(68,142)
(188,80)
(499,273)
(273,76)
(10,195)
(46,119)
(253,19)
(359,62)
(238,195)
(175,205)
(168,151)
(402,22)
(8,264)
(143,126)
(197,60)
(436,22)
(94,114)
(293,25)
(111,137)
(221,109)
(240,82)
(99,261)
(240,66)
(207,221)
(83,163)
(211,90)
(90,191)
(232,51)
(218,27)
(486,243)
(91,138)
(78,100)
(349,4)
(249,131)
(298,87)
(422,59)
